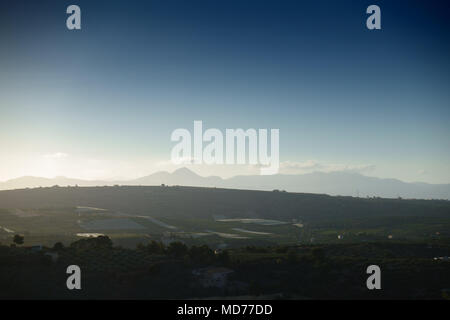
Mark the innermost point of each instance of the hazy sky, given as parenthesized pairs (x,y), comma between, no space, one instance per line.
(101,102)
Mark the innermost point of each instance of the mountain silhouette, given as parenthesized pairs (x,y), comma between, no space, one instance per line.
(332,183)
(182,177)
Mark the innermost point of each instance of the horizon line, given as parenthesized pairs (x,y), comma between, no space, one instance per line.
(109,180)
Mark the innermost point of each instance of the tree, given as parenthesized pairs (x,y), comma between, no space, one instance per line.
(100,242)
(104,241)
(202,254)
(18,239)
(177,249)
(58,246)
(292,255)
(224,257)
(154,247)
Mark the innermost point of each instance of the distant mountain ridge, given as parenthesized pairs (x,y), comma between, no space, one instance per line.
(332,183)
(182,177)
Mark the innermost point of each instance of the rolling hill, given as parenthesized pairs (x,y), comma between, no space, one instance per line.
(332,183)
(194,202)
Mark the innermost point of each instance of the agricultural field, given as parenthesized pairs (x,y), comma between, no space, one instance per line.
(220,218)
(146,242)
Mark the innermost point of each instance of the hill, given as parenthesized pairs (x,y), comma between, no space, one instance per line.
(191,202)
(332,183)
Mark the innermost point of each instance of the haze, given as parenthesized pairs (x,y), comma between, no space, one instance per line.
(101,103)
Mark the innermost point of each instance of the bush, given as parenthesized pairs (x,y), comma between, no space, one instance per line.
(58,246)
(101,242)
(18,239)
(177,249)
(224,257)
(202,254)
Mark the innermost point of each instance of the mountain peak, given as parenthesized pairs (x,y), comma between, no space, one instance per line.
(184,172)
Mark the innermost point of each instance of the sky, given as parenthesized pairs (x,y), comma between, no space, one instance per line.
(102,102)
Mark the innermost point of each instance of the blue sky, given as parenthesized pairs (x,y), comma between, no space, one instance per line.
(102,102)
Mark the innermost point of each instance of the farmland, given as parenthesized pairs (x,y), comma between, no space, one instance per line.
(145,242)
(218,217)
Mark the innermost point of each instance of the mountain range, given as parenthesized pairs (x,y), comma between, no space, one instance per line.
(332,183)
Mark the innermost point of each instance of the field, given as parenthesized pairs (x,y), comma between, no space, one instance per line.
(327,271)
(147,243)
(217,217)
